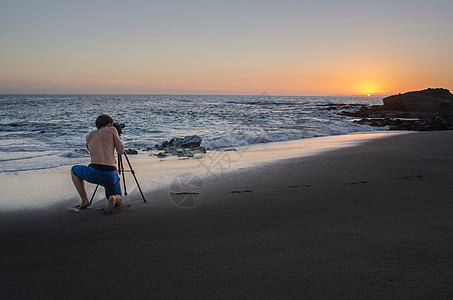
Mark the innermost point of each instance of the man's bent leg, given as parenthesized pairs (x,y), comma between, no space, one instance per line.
(113,193)
(80,186)
(114,200)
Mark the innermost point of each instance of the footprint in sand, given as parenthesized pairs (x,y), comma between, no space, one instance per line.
(78,209)
(411,177)
(360,182)
(87,209)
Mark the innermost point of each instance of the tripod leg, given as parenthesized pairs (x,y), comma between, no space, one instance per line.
(94,193)
(136,181)
(121,171)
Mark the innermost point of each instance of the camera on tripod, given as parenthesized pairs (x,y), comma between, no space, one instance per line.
(119,127)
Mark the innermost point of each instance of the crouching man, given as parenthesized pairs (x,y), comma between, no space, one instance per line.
(101,144)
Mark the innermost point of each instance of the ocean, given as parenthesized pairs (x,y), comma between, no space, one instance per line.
(48,131)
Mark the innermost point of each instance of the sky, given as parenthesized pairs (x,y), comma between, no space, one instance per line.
(242,47)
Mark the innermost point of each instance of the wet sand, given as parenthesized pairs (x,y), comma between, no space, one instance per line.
(372,221)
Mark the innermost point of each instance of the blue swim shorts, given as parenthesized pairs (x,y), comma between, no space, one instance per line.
(108,179)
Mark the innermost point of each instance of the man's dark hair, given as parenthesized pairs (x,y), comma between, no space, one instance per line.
(103,120)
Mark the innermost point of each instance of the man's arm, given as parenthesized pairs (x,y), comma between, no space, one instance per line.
(117,142)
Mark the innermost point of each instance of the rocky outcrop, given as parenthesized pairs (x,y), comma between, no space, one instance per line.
(181,152)
(430,109)
(189,146)
(191,141)
(429,100)
(439,121)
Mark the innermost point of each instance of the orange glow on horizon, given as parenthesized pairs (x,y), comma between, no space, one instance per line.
(221,82)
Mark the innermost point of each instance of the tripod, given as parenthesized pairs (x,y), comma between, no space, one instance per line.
(121,172)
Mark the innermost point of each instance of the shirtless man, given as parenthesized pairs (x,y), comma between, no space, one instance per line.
(102,170)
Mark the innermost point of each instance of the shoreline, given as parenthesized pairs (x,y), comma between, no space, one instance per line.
(371,221)
(53,187)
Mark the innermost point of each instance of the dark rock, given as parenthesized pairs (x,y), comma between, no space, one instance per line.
(82,151)
(184,153)
(378,111)
(191,141)
(161,155)
(429,100)
(188,146)
(378,122)
(338,106)
(188,142)
(198,150)
(131,151)
(178,152)
(440,121)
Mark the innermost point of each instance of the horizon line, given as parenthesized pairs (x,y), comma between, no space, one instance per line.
(265,94)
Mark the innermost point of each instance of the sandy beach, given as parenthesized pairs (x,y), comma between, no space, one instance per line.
(373,221)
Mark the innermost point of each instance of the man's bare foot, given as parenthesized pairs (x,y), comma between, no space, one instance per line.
(85,204)
(119,199)
(110,208)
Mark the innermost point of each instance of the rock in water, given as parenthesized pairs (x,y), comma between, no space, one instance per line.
(161,155)
(191,141)
(188,146)
(429,100)
(82,151)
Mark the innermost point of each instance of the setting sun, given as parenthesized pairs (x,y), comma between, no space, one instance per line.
(370,86)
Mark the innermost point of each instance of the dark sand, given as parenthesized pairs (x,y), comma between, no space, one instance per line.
(369,222)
